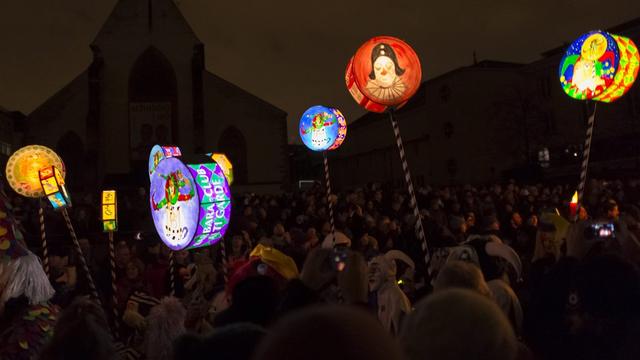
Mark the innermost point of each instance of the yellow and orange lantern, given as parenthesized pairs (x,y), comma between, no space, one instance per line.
(23,169)
(599,66)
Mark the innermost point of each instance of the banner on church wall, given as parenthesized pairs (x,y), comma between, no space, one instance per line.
(150,123)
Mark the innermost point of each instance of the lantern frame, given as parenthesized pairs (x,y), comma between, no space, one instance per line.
(54,188)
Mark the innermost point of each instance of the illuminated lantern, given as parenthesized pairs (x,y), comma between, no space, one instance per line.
(599,66)
(190,204)
(225,164)
(109,211)
(322,128)
(573,205)
(23,169)
(384,72)
(627,70)
(53,187)
(161,152)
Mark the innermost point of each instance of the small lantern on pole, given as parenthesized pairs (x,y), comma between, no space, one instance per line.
(109,211)
(53,187)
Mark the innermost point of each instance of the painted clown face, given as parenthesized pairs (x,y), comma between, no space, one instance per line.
(385,71)
(385,82)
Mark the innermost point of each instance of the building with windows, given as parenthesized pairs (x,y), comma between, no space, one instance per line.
(148,84)
(11,132)
(492,120)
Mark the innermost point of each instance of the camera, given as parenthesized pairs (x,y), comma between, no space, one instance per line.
(600,231)
(339,257)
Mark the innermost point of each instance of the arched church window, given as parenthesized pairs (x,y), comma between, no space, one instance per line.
(152,103)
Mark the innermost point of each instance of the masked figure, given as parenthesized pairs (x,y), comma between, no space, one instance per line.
(393,304)
(26,316)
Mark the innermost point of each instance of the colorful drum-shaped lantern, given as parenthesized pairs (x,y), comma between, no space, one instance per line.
(323,128)
(190,204)
(627,70)
(161,152)
(384,72)
(23,169)
(225,164)
(599,66)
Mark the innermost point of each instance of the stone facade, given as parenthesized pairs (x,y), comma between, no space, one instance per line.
(148,84)
(480,123)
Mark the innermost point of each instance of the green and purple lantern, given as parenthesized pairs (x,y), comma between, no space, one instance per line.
(190,204)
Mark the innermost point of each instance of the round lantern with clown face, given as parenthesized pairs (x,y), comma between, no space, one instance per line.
(384,72)
(322,128)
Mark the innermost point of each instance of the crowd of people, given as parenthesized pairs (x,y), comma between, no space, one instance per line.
(508,274)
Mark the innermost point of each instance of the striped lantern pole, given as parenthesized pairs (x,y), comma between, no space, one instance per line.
(223,255)
(327,180)
(585,161)
(172,274)
(83,261)
(43,236)
(412,195)
(114,288)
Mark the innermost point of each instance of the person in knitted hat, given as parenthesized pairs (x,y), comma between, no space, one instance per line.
(26,315)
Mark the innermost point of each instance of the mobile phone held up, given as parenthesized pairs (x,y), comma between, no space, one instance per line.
(339,257)
(600,231)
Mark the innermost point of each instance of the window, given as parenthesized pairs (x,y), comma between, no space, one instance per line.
(445,94)
(5,148)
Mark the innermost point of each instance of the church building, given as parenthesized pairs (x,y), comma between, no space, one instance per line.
(148,84)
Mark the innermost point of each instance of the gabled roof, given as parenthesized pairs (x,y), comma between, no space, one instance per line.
(57,100)
(112,20)
(238,89)
(419,98)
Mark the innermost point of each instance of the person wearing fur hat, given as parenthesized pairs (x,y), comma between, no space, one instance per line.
(27,317)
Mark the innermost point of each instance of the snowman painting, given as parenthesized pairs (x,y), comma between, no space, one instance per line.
(321,123)
(177,189)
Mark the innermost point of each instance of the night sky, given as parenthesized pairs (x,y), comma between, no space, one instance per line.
(293,53)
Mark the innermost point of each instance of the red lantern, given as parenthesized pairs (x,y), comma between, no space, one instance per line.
(573,205)
(384,72)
